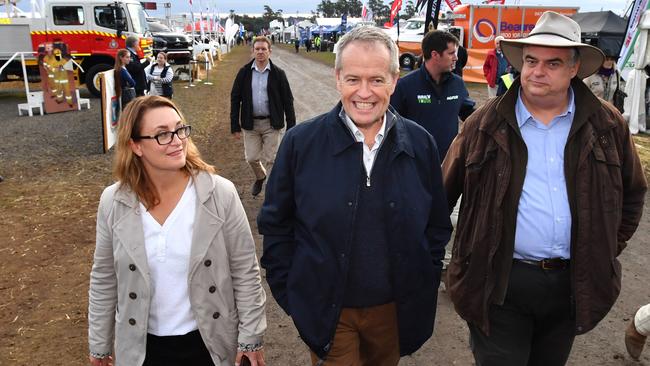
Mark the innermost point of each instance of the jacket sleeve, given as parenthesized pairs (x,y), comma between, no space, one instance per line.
(235,102)
(127,79)
(634,185)
(147,73)
(467,108)
(453,168)
(439,225)
(102,295)
(276,222)
(287,101)
(249,295)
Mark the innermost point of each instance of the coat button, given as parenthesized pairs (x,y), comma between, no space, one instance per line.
(132,321)
(207,263)
(212,289)
(132,267)
(216,315)
(350,203)
(391,204)
(133,295)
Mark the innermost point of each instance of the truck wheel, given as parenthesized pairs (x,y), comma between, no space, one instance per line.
(92,79)
(407,62)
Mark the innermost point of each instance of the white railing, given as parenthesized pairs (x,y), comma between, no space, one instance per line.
(22,61)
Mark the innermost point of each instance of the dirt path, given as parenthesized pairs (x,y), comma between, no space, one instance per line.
(54,173)
(312,83)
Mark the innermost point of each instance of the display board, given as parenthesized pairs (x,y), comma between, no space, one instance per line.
(110,108)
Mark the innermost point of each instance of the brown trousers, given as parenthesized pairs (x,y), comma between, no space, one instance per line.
(364,337)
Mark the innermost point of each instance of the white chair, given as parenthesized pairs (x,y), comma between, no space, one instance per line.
(82,101)
(34,100)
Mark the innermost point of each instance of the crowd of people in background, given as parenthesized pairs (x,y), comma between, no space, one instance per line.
(361,201)
(134,77)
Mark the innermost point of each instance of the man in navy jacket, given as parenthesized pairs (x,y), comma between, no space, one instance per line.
(433,96)
(354,219)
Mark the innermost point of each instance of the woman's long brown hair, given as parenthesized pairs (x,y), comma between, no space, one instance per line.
(117,71)
(128,168)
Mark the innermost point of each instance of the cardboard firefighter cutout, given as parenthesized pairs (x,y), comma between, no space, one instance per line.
(57,77)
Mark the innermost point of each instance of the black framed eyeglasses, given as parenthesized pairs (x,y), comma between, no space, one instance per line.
(166,138)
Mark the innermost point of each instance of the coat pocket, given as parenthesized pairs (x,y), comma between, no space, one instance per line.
(607,175)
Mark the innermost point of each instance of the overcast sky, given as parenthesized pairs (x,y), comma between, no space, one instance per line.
(305,6)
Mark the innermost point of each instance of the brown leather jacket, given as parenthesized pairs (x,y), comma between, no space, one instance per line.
(486,163)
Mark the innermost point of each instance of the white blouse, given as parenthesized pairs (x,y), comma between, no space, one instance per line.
(168,250)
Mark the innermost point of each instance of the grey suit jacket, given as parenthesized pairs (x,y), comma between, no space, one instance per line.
(222,255)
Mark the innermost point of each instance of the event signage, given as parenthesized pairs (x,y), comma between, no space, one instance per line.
(627,49)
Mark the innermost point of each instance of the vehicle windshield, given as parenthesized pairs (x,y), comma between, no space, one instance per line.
(158,27)
(414,25)
(137,18)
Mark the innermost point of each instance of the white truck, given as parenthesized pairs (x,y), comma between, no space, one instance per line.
(93,31)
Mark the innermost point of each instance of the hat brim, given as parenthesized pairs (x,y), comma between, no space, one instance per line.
(591,58)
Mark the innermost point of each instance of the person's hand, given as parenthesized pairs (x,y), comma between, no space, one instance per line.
(236,135)
(256,358)
(106,361)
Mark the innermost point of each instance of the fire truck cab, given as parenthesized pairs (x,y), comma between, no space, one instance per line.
(93,31)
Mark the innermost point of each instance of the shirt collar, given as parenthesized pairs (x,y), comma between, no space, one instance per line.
(523,115)
(387,123)
(267,67)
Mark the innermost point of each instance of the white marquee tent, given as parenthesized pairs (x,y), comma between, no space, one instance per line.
(636,80)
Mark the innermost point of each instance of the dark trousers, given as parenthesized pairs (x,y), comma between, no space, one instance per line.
(181,350)
(534,326)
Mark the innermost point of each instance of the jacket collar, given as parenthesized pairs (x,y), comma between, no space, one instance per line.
(249,66)
(203,184)
(341,138)
(444,77)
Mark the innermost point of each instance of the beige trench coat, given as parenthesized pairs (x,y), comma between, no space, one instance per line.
(222,255)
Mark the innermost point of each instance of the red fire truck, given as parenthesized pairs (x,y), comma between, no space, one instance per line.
(93,31)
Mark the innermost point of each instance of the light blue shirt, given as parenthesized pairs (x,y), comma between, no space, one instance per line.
(260,94)
(544,217)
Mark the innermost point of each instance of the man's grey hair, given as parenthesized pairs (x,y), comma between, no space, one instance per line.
(575,56)
(132,41)
(369,35)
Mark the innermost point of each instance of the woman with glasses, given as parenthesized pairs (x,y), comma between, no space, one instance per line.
(175,278)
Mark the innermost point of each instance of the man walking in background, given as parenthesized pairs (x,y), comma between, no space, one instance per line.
(552,188)
(259,101)
(353,220)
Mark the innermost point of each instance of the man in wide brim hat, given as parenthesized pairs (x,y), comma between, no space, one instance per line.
(555,30)
(552,187)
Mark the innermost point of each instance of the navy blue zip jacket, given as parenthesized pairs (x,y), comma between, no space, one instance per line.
(416,98)
(309,212)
